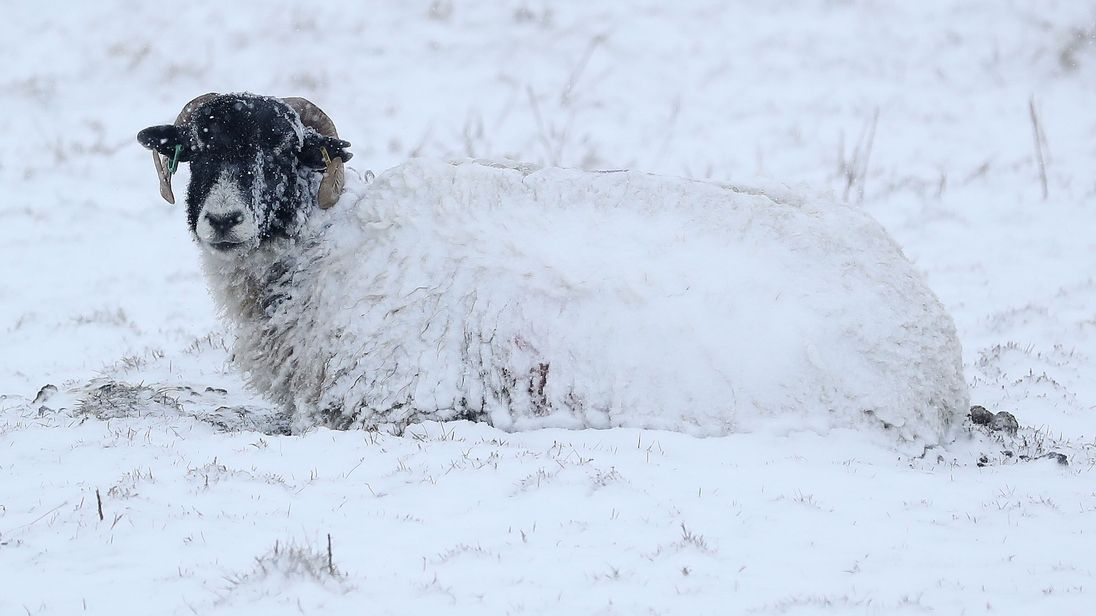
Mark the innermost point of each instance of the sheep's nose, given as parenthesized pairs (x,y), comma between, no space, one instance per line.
(223,223)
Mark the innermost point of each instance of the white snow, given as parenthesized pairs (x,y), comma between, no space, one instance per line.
(207,510)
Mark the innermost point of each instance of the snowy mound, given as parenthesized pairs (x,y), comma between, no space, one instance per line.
(531,298)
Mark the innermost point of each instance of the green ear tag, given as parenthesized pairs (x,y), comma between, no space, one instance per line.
(174,164)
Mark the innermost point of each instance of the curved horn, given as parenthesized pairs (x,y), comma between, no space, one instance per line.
(334,177)
(192,106)
(161,162)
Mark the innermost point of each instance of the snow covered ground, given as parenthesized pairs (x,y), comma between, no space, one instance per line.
(151,482)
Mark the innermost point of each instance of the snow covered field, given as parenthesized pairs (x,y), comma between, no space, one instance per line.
(179,496)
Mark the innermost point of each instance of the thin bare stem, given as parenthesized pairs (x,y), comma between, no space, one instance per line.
(855,167)
(330,560)
(1040,145)
(867,156)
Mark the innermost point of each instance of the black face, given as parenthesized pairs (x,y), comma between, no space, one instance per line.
(254,168)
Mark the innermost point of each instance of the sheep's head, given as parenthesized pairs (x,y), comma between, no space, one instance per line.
(258,166)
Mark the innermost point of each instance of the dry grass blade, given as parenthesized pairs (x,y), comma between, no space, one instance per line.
(1040,145)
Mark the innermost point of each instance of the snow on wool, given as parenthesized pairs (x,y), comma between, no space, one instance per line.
(530,297)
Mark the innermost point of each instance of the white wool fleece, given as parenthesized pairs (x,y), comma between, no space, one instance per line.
(533,297)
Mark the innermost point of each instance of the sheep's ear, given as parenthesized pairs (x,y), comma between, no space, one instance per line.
(319,150)
(168,150)
(164,139)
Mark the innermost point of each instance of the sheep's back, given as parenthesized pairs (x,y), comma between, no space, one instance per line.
(537,297)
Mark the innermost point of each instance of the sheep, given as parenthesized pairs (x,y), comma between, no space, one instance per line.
(531,297)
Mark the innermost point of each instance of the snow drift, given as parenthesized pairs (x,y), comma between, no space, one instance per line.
(530,297)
